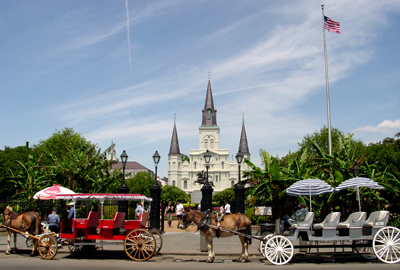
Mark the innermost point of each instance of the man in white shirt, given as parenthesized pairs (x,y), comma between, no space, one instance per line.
(179,212)
(227,209)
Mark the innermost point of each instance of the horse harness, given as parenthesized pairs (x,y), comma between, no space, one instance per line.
(206,220)
(14,215)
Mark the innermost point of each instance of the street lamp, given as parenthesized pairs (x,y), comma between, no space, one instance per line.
(207,159)
(123,188)
(206,190)
(155,193)
(156,159)
(239,189)
(124,159)
(356,169)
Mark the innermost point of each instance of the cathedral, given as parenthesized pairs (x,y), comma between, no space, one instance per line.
(222,172)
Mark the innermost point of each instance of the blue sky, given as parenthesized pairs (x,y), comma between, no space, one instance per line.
(119,70)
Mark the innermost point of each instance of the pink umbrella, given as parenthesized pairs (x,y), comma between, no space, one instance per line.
(51,192)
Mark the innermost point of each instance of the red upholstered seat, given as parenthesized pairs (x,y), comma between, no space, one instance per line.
(92,221)
(116,223)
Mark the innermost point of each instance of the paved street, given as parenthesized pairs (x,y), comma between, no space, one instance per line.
(180,250)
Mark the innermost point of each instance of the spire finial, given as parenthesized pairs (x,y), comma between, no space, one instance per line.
(243,117)
(174,117)
(209,74)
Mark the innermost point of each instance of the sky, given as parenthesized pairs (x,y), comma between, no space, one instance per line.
(119,70)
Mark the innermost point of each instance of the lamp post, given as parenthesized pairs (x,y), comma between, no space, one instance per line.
(123,188)
(206,190)
(155,192)
(239,189)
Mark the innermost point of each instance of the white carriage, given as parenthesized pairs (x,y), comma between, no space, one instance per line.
(369,237)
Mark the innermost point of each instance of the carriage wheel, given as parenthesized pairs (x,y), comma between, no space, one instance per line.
(140,245)
(159,241)
(47,247)
(278,250)
(263,242)
(365,252)
(386,245)
(71,244)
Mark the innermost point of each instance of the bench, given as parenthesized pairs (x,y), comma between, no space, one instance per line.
(375,221)
(88,224)
(327,228)
(136,224)
(110,227)
(352,227)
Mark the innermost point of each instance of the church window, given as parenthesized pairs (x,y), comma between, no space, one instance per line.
(173,165)
(206,144)
(179,165)
(216,178)
(232,183)
(222,165)
(195,163)
(185,185)
(173,183)
(211,143)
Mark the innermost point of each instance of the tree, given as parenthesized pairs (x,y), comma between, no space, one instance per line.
(140,183)
(224,196)
(77,163)
(320,139)
(173,194)
(266,185)
(185,158)
(30,179)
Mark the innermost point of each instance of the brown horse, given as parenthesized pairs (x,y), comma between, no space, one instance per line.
(233,223)
(25,222)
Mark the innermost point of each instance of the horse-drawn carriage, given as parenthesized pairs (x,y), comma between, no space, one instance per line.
(370,237)
(140,242)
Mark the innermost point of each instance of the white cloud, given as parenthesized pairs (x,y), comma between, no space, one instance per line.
(386,127)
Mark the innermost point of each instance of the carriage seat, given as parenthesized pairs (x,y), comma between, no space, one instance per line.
(355,220)
(377,219)
(116,223)
(330,222)
(136,224)
(92,221)
(327,228)
(305,224)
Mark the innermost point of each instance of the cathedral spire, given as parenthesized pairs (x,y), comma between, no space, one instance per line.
(174,148)
(243,146)
(209,112)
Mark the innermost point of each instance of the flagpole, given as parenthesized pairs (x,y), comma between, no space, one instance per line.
(327,84)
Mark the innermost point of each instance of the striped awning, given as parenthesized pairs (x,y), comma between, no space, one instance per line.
(358,182)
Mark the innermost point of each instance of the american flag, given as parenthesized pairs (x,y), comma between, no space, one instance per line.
(332,26)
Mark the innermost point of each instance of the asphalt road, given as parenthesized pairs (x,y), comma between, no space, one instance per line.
(118,260)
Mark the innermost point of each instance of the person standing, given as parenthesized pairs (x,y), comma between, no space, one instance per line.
(222,209)
(227,209)
(54,221)
(71,212)
(169,210)
(179,212)
(139,210)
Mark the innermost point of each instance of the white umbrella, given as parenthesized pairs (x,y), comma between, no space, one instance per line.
(309,187)
(356,183)
(51,192)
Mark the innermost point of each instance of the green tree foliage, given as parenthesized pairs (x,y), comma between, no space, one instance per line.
(185,158)
(31,178)
(77,163)
(224,196)
(9,167)
(173,194)
(266,186)
(318,141)
(140,183)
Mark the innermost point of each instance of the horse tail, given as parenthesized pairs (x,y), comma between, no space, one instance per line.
(35,223)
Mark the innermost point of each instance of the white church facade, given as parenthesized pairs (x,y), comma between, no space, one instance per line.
(222,171)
